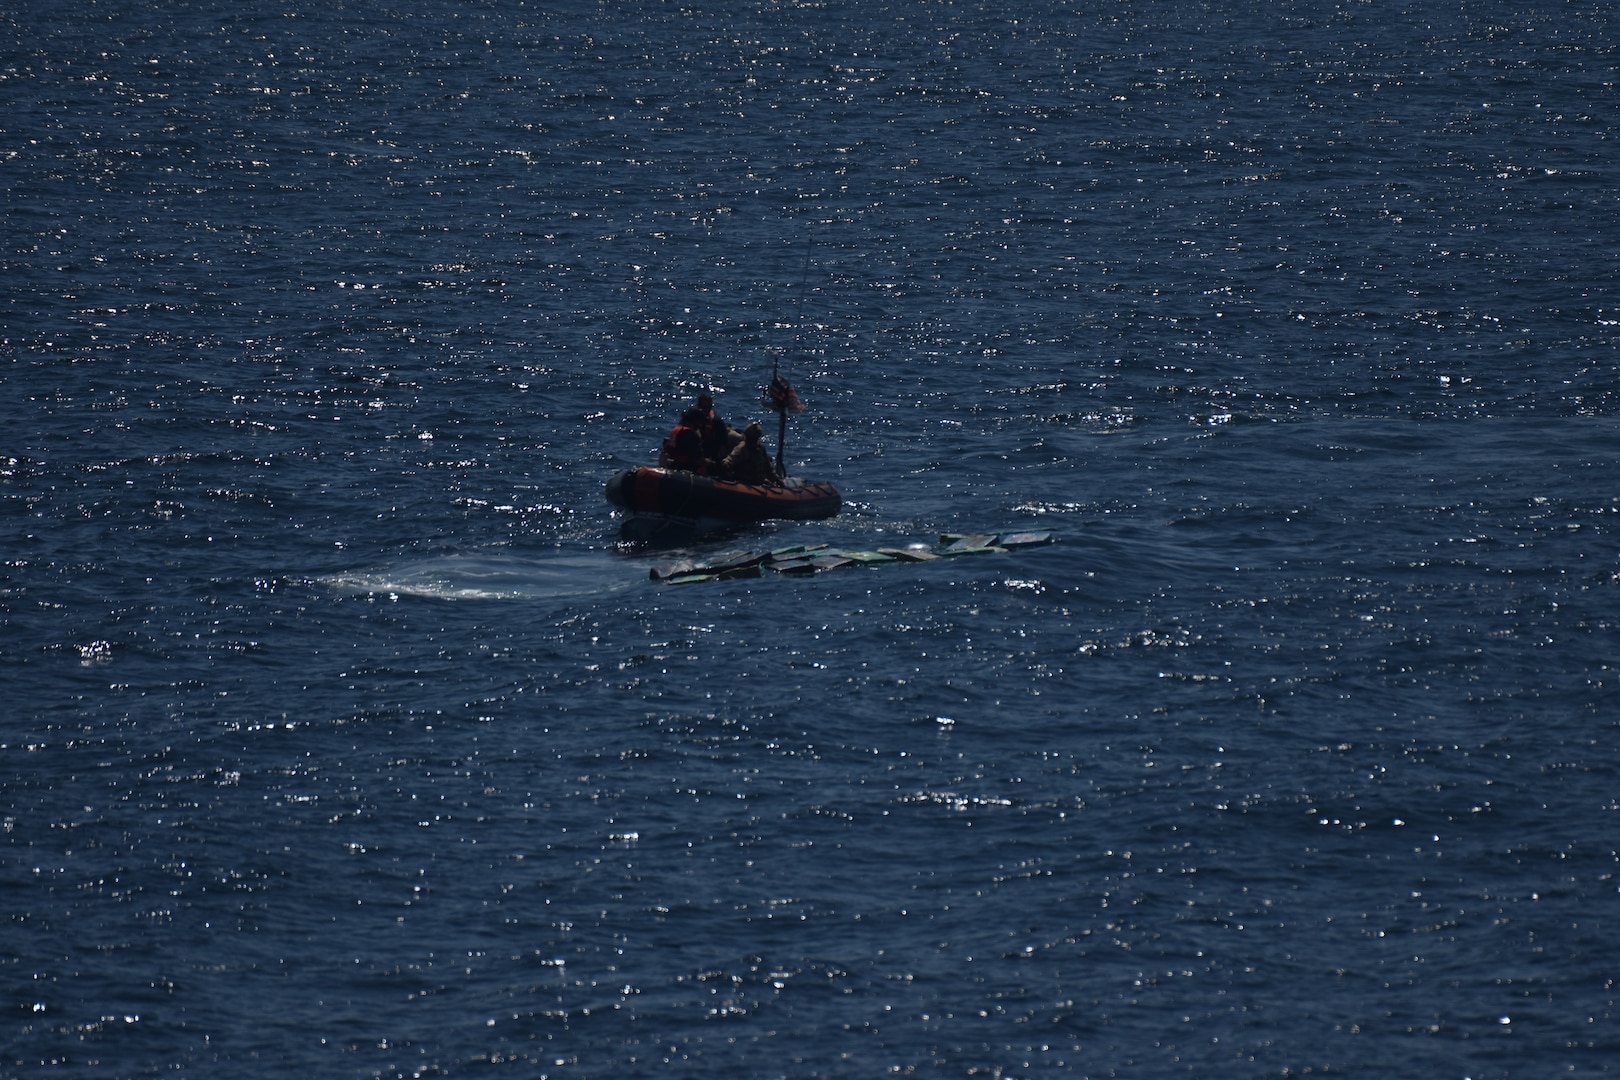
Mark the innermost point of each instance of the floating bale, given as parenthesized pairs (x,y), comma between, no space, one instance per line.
(1024,539)
(909,554)
(966,541)
(726,564)
(866,556)
(970,545)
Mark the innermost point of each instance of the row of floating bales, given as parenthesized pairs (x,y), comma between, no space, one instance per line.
(817,558)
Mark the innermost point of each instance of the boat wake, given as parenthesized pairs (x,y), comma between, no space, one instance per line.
(495,577)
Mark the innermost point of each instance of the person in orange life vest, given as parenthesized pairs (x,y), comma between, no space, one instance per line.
(684,447)
(749,463)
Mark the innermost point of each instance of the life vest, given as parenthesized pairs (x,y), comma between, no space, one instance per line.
(683,450)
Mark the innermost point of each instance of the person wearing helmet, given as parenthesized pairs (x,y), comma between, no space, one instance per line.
(749,463)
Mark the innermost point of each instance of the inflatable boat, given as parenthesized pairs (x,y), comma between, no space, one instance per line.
(655,500)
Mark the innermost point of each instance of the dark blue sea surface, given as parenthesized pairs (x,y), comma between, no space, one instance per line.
(346,736)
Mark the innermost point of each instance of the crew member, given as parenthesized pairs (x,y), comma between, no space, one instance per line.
(749,463)
(683,449)
(718,438)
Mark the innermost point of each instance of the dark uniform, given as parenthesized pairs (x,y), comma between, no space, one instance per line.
(718,438)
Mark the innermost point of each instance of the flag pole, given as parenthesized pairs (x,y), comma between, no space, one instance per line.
(781,442)
(781,397)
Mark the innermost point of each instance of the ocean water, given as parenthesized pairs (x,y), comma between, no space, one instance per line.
(347,738)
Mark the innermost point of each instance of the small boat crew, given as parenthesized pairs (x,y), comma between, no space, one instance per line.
(710,476)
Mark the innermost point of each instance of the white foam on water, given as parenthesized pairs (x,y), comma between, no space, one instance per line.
(495,577)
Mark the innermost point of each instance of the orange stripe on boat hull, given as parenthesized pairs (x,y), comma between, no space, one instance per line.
(675,494)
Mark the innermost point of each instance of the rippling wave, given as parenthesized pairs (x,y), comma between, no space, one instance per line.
(352,737)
